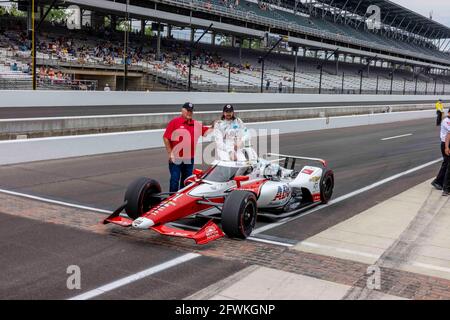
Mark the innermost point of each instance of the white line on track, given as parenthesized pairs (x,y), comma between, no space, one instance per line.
(62,203)
(135,277)
(371,255)
(430,266)
(277,243)
(353,252)
(347,196)
(396,137)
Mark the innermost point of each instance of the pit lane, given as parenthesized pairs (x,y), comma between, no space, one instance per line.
(357,155)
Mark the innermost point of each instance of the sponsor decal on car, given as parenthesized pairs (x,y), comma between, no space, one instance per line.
(282,193)
(211,232)
(316,197)
(308,171)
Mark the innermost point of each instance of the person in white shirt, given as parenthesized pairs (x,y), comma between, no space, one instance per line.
(107,88)
(231,135)
(442,179)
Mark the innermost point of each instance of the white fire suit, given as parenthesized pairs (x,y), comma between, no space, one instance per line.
(231,136)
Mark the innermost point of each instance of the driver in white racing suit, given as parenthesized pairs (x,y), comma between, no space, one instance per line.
(233,144)
(231,136)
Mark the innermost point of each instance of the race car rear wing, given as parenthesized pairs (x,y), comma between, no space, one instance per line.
(286,159)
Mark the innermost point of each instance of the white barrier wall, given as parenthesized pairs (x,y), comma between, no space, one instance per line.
(29,98)
(19,151)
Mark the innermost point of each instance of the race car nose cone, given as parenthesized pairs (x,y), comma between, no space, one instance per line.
(143,223)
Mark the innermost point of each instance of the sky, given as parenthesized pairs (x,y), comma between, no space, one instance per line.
(440,8)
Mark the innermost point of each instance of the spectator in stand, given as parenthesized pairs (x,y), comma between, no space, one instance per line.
(107,88)
(267,84)
(27,69)
(14,67)
(280,87)
(42,72)
(51,73)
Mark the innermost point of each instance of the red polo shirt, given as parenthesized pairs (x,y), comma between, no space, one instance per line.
(178,130)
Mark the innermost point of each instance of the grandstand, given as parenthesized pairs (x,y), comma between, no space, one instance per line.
(329,47)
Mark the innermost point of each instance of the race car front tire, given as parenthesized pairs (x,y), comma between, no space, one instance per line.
(139,196)
(239,214)
(326,186)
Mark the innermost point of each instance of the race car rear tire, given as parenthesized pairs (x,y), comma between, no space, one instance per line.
(239,214)
(326,186)
(139,196)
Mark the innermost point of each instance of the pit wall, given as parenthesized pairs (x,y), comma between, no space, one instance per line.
(27,150)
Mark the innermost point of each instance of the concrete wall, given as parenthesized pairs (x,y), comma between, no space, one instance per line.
(19,151)
(57,126)
(19,98)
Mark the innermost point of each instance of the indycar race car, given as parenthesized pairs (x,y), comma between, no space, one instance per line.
(232,192)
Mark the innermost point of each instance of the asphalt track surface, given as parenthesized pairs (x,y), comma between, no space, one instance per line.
(67,111)
(35,255)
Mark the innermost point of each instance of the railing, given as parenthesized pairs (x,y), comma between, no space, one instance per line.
(174,79)
(48,84)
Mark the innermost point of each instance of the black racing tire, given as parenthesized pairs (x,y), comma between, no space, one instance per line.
(139,196)
(326,186)
(239,214)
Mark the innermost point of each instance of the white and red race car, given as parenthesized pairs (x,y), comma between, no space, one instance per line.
(232,192)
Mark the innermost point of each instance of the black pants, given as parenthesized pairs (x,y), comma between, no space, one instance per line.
(438,118)
(444,173)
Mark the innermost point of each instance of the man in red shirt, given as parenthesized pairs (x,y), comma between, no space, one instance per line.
(180,138)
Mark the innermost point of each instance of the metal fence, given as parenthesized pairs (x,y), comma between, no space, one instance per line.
(48,84)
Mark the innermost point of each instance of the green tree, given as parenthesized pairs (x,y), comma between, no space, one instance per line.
(15,12)
(148,30)
(57,15)
(3,11)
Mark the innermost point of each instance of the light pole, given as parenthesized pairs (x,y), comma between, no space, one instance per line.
(392,81)
(378,79)
(261,60)
(34,31)
(33,43)
(229,76)
(417,80)
(360,81)
(125,51)
(190,55)
(361,72)
(295,68)
(320,67)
